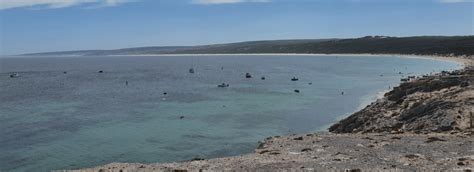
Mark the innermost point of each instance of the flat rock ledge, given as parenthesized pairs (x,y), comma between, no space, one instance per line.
(335,152)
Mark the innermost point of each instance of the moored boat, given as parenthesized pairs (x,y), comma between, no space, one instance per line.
(247,75)
(223,85)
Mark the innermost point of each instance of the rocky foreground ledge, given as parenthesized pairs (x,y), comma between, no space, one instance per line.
(424,124)
(354,152)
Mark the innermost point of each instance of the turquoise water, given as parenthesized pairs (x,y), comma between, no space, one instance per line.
(82,118)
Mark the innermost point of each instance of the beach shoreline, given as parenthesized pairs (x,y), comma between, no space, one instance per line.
(432,57)
(465,60)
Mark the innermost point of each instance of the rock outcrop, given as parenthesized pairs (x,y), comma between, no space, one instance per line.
(439,103)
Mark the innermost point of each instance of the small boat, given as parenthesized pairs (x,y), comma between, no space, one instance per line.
(294,79)
(247,75)
(101,71)
(14,75)
(297,91)
(263,78)
(191,70)
(223,85)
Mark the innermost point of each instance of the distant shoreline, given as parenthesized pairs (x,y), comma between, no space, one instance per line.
(463,61)
(425,45)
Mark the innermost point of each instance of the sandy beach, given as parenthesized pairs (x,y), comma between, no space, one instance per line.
(462,60)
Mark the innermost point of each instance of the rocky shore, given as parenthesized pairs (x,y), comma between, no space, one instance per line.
(438,103)
(424,124)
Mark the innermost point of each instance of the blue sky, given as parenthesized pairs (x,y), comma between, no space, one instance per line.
(53,25)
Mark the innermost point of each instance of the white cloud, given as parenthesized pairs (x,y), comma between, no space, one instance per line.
(455,1)
(211,2)
(6,4)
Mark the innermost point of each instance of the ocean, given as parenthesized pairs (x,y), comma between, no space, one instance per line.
(62,113)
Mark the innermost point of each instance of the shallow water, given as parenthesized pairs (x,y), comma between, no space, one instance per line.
(82,118)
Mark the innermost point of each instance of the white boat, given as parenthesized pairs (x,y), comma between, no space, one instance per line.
(223,85)
(14,75)
(247,75)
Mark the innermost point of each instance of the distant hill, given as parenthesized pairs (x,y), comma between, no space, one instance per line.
(421,45)
(125,51)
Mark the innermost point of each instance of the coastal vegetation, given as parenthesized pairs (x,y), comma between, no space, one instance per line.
(420,45)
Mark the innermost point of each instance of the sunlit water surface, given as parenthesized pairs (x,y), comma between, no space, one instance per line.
(55,120)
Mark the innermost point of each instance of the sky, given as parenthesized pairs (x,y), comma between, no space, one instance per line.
(28,26)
